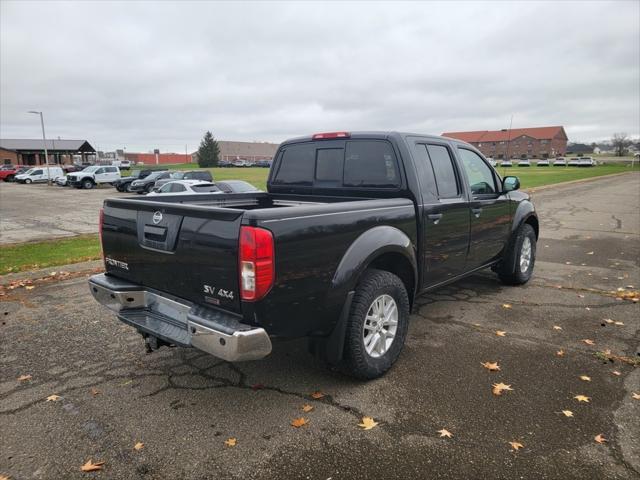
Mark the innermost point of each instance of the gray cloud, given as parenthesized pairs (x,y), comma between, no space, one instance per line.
(157,74)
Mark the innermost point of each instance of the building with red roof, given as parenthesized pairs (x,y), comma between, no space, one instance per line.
(537,142)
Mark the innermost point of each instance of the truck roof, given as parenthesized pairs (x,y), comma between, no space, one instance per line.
(377,134)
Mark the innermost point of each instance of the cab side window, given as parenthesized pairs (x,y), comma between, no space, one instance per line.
(99,171)
(479,174)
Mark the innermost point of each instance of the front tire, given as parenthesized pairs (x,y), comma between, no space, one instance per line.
(88,184)
(377,326)
(27,181)
(517,265)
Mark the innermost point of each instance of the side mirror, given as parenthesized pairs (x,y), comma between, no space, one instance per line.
(510,183)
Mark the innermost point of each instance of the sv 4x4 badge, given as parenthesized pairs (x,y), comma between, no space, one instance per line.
(209,290)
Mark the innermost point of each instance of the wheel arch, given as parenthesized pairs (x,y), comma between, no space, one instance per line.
(384,248)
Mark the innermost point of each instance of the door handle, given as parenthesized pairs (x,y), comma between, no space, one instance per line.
(435,217)
(476,212)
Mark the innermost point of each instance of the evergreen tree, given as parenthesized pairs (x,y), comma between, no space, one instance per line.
(209,152)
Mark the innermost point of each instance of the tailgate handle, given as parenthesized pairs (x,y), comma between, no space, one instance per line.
(159,234)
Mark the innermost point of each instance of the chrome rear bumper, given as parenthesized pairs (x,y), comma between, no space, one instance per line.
(179,321)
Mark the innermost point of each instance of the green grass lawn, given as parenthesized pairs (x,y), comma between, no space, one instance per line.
(537,176)
(29,256)
(33,255)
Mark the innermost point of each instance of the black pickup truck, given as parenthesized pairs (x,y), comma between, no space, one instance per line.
(352,228)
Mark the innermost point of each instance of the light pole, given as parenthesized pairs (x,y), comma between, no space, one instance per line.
(44,141)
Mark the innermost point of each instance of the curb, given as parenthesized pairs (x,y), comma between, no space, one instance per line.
(46,272)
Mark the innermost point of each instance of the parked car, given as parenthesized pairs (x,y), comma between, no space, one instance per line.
(543,163)
(525,162)
(241,163)
(124,184)
(336,250)
(204,175)
(40,174)
(574,162)
(8,172)
(185,187)
(560,162)
(225,164)
(62,181)
(263,163)
(236,186)
(146,184)
(94,175)
(587,162)
(506,163)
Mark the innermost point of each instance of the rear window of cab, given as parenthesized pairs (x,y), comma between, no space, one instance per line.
(351,163)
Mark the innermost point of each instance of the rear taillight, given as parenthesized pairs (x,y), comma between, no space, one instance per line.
(100,222)
(330,135)
(256,263)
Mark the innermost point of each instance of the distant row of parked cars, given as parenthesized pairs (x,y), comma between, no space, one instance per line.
(245,163)
(545,162)
(152,182)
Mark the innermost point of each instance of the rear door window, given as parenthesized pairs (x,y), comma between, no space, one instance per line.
(444,171)
(329,164)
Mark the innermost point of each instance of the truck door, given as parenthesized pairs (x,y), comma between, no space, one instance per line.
(490,209)
(445,213)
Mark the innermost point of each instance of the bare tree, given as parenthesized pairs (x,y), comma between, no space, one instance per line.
(620,142)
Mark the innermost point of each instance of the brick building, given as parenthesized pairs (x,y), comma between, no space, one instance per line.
(538,142)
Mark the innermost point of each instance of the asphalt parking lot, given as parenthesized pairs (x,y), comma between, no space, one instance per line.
(57,211)
(183,405)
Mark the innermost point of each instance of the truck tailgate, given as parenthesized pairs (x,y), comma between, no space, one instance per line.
(188,250)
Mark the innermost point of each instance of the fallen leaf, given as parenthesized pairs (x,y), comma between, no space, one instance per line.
(590,253)
(608,320)
(618,323)
(53,398)
(582,398)
(91,467)
(557,327)
(516,445)
(498,388)
(600,438)
(491,366)
(95,391)
(367,423)
(580,295)
(4,477)
(567,413)
(138,446)
(587,309)
(299,422)
(231,442)
(560,353)
(317,395)
(506,305)
(29,287)
(585,378)
(567,263)
(501,333)
(22,378)
(445,433)
(616,373)
(588,341)
(636,396)
(307,408)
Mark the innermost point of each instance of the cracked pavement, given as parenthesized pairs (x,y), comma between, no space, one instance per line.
(184,404)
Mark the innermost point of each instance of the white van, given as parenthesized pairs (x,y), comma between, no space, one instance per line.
(39,174)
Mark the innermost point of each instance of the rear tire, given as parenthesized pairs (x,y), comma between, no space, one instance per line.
(365,355)
(519,259)
(8,178)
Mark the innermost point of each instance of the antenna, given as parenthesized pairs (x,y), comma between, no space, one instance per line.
(508,142)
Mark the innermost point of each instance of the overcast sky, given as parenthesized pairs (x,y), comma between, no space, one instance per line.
(158,74)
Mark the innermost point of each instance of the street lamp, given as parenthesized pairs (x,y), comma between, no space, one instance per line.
(44,141)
